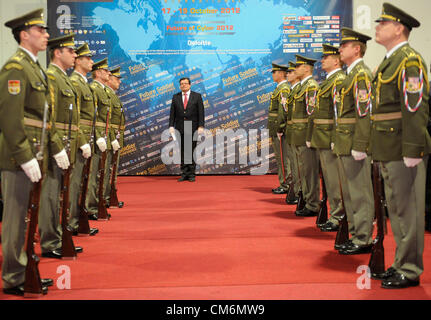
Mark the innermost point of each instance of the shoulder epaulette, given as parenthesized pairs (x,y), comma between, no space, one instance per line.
(13,65)
(17,56)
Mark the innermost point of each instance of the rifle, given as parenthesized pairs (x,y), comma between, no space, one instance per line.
(83,225)
(301,202)
(113,198)
(102,213)
(322,217)
(343,230)
(33,283)
(67,246)
(377,259)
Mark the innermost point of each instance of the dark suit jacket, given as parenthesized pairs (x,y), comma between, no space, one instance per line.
(194,111)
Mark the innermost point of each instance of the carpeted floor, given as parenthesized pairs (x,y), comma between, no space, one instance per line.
(222,237)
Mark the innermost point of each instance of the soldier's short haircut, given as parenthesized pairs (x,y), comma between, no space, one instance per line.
(51,52)
(362,47)
(16,33)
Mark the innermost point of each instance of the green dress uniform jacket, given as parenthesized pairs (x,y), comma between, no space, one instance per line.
(303,106)
(117,115)
(320,133)
(353,121)
(104,109)
(398,131)
(62,94)
(23,85)
(86,103)
(287,115)
(279,99)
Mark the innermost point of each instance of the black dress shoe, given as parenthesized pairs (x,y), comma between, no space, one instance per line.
(329,227)
(93,231)
(120,204)
(383,276)
(19,290)
(279,190)
(398,281)
(47,282)
(92,216)
(343,246)
(356,249)
(291,201)
(182,179)
(56,254)
(78,249)
(306,213)
(192,179)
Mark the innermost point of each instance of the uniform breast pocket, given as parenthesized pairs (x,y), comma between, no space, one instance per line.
(87,97)
(36,99)
(389,93)
(67,95)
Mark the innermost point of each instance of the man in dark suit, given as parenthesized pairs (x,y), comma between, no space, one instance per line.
(187,116)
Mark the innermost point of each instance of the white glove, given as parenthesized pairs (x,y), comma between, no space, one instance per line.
(171,130)
(62,159)
(358,155)
(279,135)
(32,170)
(101,143)
(411,162)
(308,144)
(86,150)
(332,145)
(115,145)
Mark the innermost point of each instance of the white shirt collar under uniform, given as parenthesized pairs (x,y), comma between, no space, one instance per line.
(83,77)
(281,82)
(103,86)
(332,72)
(294,85)
(350,68)
(303,81)
(399,45)
(32,56)
(59,68)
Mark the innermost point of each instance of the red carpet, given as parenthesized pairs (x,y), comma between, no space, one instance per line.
(222,237)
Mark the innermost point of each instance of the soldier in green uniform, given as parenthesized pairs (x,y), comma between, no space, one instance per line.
(83,65)
(400,142)
(117,125)
(294,81)
(352,135)
(308,161)
(65,113)
(276,125)
(23,88)
(320,134)
(103,137)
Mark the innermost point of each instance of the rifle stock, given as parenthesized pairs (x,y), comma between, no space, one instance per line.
(67,246)
(32,284)
(377,258)
(322,216)
(301,202)
(343,230)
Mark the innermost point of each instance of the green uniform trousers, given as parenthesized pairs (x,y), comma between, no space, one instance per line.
(358,198)
(405,198)
(308,169)
(328,162)
(282,159)
(92,199)
(16,189)
(49,212)
(293,166)
(107,179)
(75,190)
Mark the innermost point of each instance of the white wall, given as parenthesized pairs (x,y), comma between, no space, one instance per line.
(366,11)
(10,9)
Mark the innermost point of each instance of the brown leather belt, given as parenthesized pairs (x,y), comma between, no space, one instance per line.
(323,121)
(65,126)
(346,120)
(299,121)
(35,123)
(101,124)
(86,122)
(386,116)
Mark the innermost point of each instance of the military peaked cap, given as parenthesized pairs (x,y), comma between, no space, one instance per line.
(33,18)
(329,50)
(102,64)
(62,42)
(304,60)
(116,72)
(392,13)
(348,34)
(83,51)
(279,67)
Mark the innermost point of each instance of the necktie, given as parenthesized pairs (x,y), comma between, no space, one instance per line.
(185,100)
